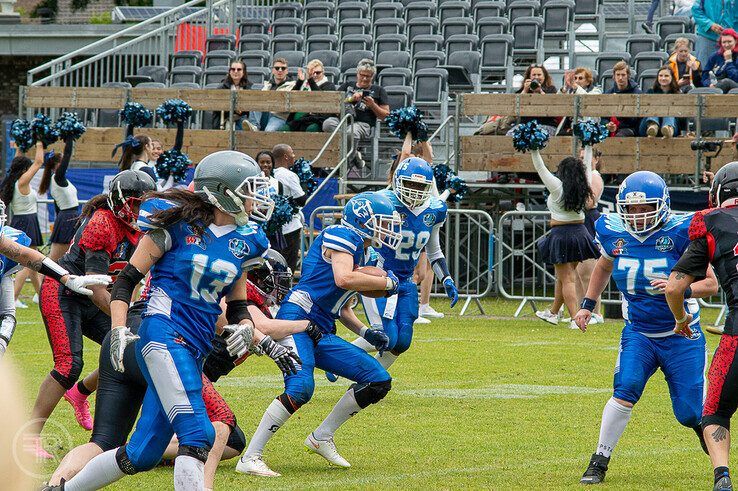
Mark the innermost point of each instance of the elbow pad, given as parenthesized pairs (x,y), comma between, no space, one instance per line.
(125,284)
(440,268)
(237,310)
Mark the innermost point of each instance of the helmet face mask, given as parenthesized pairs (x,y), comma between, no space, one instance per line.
(413,181)
(125,194)
(273,278)
(387,230)
(643,202)
(256,190)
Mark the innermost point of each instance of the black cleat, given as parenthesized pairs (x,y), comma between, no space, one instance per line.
(58,487)
(596,470)
(698,430)
(723,484)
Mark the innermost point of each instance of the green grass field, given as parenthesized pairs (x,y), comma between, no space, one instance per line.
(478,402)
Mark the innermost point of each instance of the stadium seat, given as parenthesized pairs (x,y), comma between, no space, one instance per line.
(558,17)
(457,25)
(256,58)
(607,59)
(399,96)
(712,124)
(189,74)
(665,26)
(649,60)
(420,9)
(286,42)
(484,9)
(429,85)
(286,10)
(352,10)
(213,75)
(253,26)
(157,73)
(295,59)
(329,58)
(348,76)
(319,27)
(318,10)
(321,42)
(422,26)
(522,8)
(387,10)
(647,78)
(492,25)
(151,85)
(428,59)
(496,63)
(397,59)
(463,71)
(184,85)
(453,8)
(390,42)
(355,42)
(388,26)
(258,75)
(394,76)
(355,26)
(187,58)
(587,8)
(431,42)
(332,73)
(251,42)
(286,25)
(350,59)
(606,80)
(669,41)
(214,85)
(588,12)
(222,57)
(110,117)
(527,34)
(461,42)
(642,42)
(221,41)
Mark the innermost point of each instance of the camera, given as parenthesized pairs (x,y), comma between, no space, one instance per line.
(534,85)
(706,146)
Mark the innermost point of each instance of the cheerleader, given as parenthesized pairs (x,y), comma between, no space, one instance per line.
(16,190)
(265,159)
(64,194)
(137,151)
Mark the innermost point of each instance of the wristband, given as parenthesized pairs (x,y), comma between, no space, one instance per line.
(688,292)
(390,284)
(588,304)
(363,331)
(683,319)
(52,269)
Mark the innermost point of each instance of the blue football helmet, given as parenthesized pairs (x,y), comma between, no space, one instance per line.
(413,181)
(374,217)
(643,188)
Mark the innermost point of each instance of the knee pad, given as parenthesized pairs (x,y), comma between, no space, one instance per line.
(299,395)
(198,453)
(366,394)
(73,373)
(237,440)
(125,464)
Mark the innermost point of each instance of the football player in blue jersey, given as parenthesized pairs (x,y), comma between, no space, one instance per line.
(329,279)
(640,244)
(196,247)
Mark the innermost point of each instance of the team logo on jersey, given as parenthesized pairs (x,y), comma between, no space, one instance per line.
(695,335)
(664,244)
(362,208)
(429,219)
(618,247)
(195,240)
(239,248)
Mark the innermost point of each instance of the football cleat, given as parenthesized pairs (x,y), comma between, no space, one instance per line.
(255,466)
(332,377)
(327,450)
(595,473)
(548,316)
(430,312)
(723,484)
(81,407)
(597,319)
(422,320)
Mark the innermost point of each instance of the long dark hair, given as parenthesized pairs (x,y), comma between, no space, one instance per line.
(18,167)
(574,181)
(93,204)
(547,80)
(244,83)
(191,208)
(673,86)
(129,152)
(271,157)
(50,166)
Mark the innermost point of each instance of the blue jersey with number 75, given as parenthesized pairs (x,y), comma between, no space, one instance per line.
(196,271)
(638,259)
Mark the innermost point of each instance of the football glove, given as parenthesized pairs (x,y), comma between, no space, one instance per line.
(377,338)
(451,291)
(395,284)
(79,284)
(284,357)
(119,338)
(238,338)
(314,332)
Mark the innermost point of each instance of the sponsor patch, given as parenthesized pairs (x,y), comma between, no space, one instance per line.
(429,219)
(664,244)
(238,247)
(618,247)
(195,240)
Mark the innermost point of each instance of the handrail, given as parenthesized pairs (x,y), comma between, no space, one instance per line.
(449,153)
(338,166)
(112,37)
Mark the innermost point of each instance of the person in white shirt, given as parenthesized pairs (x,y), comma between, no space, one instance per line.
(284,157)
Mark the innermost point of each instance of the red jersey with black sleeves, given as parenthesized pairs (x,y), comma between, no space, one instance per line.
(102,245)
(714,240)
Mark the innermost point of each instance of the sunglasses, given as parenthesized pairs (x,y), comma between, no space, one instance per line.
(279,68)
(236,69)
(317,73)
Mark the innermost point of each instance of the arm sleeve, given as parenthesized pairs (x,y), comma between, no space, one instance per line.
(700,16)
(179,139)
(552,183)
(7,299)
(433,247)
(60,175)
(695,259)
(588,151)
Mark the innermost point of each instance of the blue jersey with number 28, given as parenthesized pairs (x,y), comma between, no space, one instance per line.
(196,271)
(417,226)
(638,260)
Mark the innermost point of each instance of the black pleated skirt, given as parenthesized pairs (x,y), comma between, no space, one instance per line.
(567,244)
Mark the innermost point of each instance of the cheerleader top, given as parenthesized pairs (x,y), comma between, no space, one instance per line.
(61,190)
(24,204)
(555,201)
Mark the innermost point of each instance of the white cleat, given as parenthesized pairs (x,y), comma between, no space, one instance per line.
(597,319)
(255,466)
(20,305)
(548,316)
(573,325)
(327,450)
(430,312)
(422,320)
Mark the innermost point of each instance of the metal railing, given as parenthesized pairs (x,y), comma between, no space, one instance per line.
(347,149)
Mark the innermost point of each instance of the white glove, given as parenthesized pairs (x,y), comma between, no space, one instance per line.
(238,338)
(119,339)
(79,284)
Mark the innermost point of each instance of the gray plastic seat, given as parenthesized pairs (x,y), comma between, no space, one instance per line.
(214,74)
(157,73)
(453,8)
(256,58)
(319,27)
(387,10)
(286,10)
(428,59)
(251,42)
(221,57)
(259,75)
(295,59)
(419,9)
(522,8)
(492,25)
(429,85)
(462,42)
(318,10)
(321,42)
(649,60)
(187,58)
(457,25)
(350,59)
(557,18)
(388,26)
(431,42)
(355,42)
(422,26)
(399,96)
(471,63)
(287,25)
(397,59)
(527,33)
(329,58)
(607,59)
(221,41)
(390,42)
(496,61)
(191,74)
(355,26)
(394,76)
(606,80)
(642,42)
(253,26)
(668,25)
(484,9)
(286,42)
(352,10)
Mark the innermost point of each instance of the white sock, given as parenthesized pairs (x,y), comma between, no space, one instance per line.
(615,417)
(342,411)
(386,360)
(364,344)
(98,473)
(274,417)
(424,306)
(189,474)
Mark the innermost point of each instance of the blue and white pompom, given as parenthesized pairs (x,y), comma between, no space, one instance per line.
(407,120)
(20,132)
(529,136)
(43,130)
(304,172)
(174,111)
(590,132)
(282,214)
(69,126)
(447,179)
(174,163)
(442,173)
(135,114)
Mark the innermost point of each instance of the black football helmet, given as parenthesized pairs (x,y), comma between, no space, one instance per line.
(724,188)
(273,277)
(125,191)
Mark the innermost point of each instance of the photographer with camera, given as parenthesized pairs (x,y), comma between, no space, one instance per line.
(366,101)
(537,80)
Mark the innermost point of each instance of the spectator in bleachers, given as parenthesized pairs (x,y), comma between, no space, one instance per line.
(624,84)
(284,157)
(711,17)
(316,81)
(668,126)
(537,80)
(685,67)
(280,81)
(367,101)
(237,79)
(683,8)
(648,25)
(579,81)
(721,70)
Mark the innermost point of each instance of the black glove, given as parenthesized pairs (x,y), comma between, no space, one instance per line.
(284,357)
(314,332)
(218,362)
(377,338)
